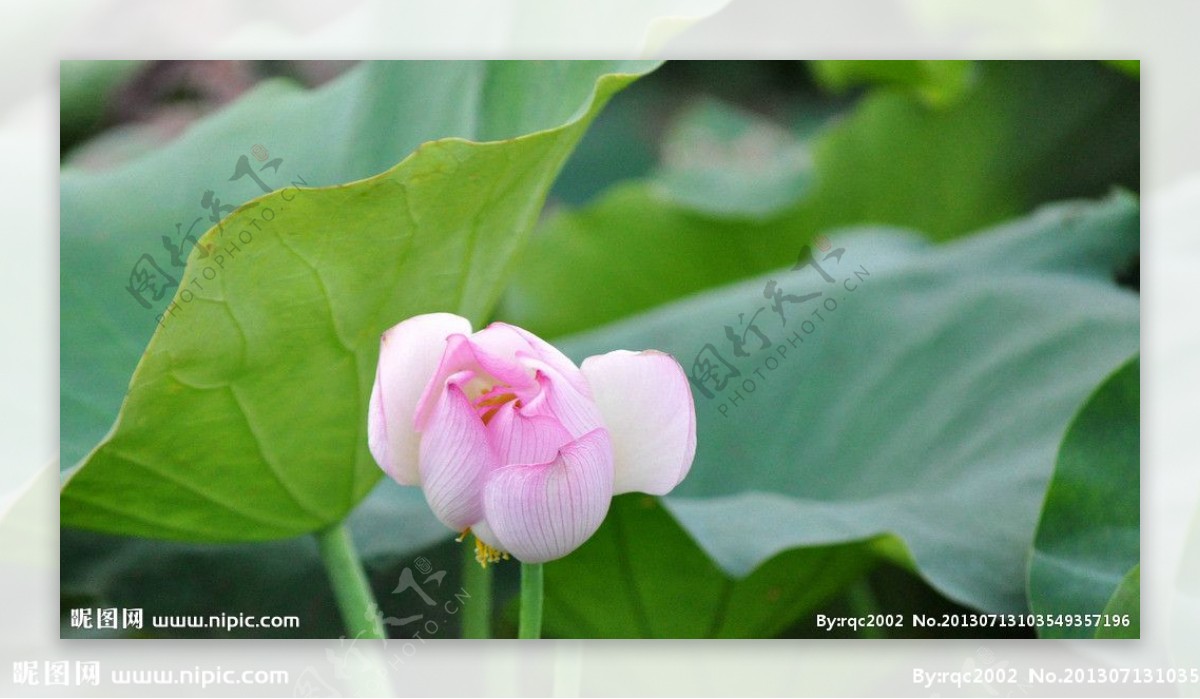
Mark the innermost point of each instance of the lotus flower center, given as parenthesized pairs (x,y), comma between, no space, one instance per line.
(490,402)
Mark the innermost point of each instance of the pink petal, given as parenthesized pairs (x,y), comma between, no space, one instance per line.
(408,355)
(549,354)
(487,361)
(648,410)
(502,340)
(455,457)
(560,399)
(539,512)
(523,439)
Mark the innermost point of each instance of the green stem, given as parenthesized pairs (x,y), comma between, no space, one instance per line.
(863,603)
(353,593)
(531,601)
(477,580)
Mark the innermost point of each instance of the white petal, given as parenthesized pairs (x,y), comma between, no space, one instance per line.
(646,403)
(408,355)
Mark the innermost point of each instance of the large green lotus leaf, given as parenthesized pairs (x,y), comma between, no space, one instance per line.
(606,261)
(1125,601)
(246,416)
(1024,134)
(1089,534)
(642,576)
(356,127)
(937,82)
(924,394)
(1028,132)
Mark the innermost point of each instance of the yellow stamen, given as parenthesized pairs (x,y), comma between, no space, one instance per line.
(483,553)
(488,554)
(493,401)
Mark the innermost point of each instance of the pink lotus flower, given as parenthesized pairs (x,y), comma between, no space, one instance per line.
(511,441)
